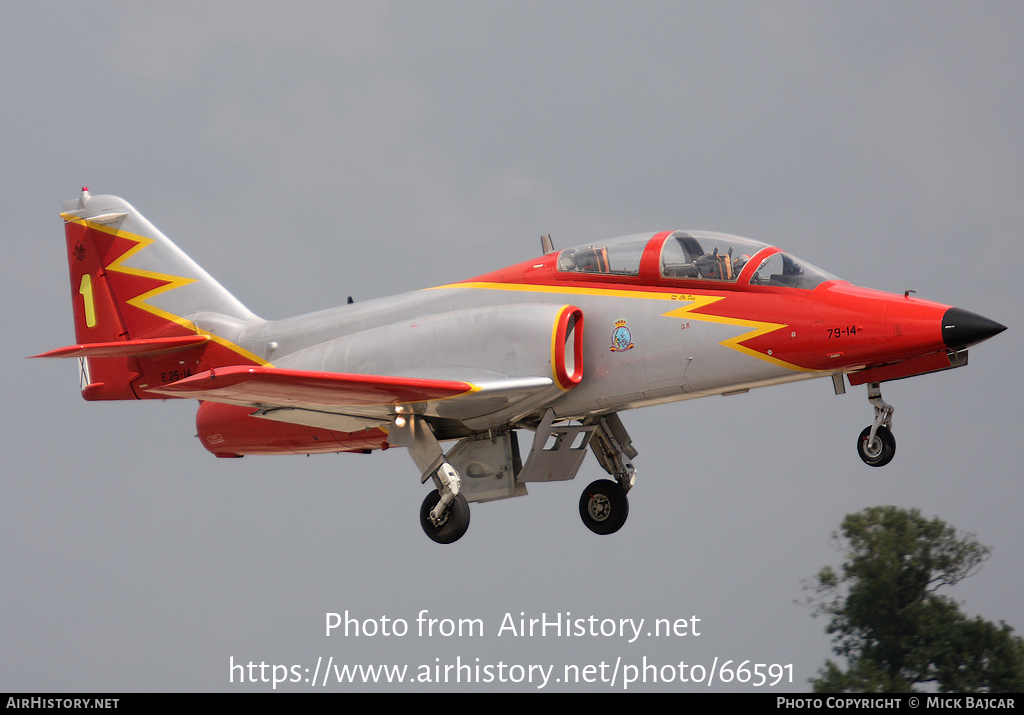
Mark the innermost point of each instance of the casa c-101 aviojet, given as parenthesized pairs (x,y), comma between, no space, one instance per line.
(558,345)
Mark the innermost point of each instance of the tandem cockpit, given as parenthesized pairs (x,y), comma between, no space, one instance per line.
(703,256)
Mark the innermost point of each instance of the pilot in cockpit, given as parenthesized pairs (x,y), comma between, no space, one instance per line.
(720,267)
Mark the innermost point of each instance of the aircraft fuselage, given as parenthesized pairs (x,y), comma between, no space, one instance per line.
(557,345)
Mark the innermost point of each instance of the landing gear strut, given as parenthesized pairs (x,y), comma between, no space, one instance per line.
(444,514)
(876,445)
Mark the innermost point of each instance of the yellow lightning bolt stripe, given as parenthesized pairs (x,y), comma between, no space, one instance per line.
(757,329)
(695,302)
(170,283)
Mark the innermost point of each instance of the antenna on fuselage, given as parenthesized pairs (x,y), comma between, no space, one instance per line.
(546,245)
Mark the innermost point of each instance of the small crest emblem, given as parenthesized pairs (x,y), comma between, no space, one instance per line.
(79,251)
(622,339)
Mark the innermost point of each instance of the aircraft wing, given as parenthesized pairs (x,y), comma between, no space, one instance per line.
(373,396)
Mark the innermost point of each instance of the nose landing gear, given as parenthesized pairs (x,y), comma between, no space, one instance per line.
(876,444)
(879,450)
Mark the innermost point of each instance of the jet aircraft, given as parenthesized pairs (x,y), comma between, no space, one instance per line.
(671,315)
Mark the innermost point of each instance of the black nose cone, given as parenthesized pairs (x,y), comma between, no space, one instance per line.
(961,328)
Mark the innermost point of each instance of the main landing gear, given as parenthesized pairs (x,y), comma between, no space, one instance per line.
(483,468)
(453,521)
(603,504)
(876,445)
(444,514)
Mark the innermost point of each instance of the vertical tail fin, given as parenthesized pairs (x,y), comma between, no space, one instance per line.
(145,313)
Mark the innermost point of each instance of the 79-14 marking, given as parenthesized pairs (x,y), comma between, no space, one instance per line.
(842,332)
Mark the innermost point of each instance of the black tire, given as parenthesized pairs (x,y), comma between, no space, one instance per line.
(604,506)
(456,519)
(881,451)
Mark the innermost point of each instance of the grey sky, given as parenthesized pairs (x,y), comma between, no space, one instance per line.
(305,152)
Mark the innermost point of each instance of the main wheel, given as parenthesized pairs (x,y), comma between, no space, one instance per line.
(454,522)
(604,506)
(877,452)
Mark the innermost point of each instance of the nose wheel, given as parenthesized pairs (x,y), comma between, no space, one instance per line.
(876,445)
(879,450)
(604,506)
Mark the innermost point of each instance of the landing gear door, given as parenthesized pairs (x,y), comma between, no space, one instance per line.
(487,466)
(558,451)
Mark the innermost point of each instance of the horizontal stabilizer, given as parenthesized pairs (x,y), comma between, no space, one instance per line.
(128,348)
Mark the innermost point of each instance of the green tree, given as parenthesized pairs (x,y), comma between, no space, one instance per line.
(892,626)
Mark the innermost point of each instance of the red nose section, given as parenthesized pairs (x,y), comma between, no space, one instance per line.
(918,337)
(863,330)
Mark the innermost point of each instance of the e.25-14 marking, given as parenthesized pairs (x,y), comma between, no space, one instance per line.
(175,375)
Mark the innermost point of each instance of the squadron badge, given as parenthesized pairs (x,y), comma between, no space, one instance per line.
(621,337)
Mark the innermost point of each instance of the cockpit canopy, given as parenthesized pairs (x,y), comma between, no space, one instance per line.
(695,256)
